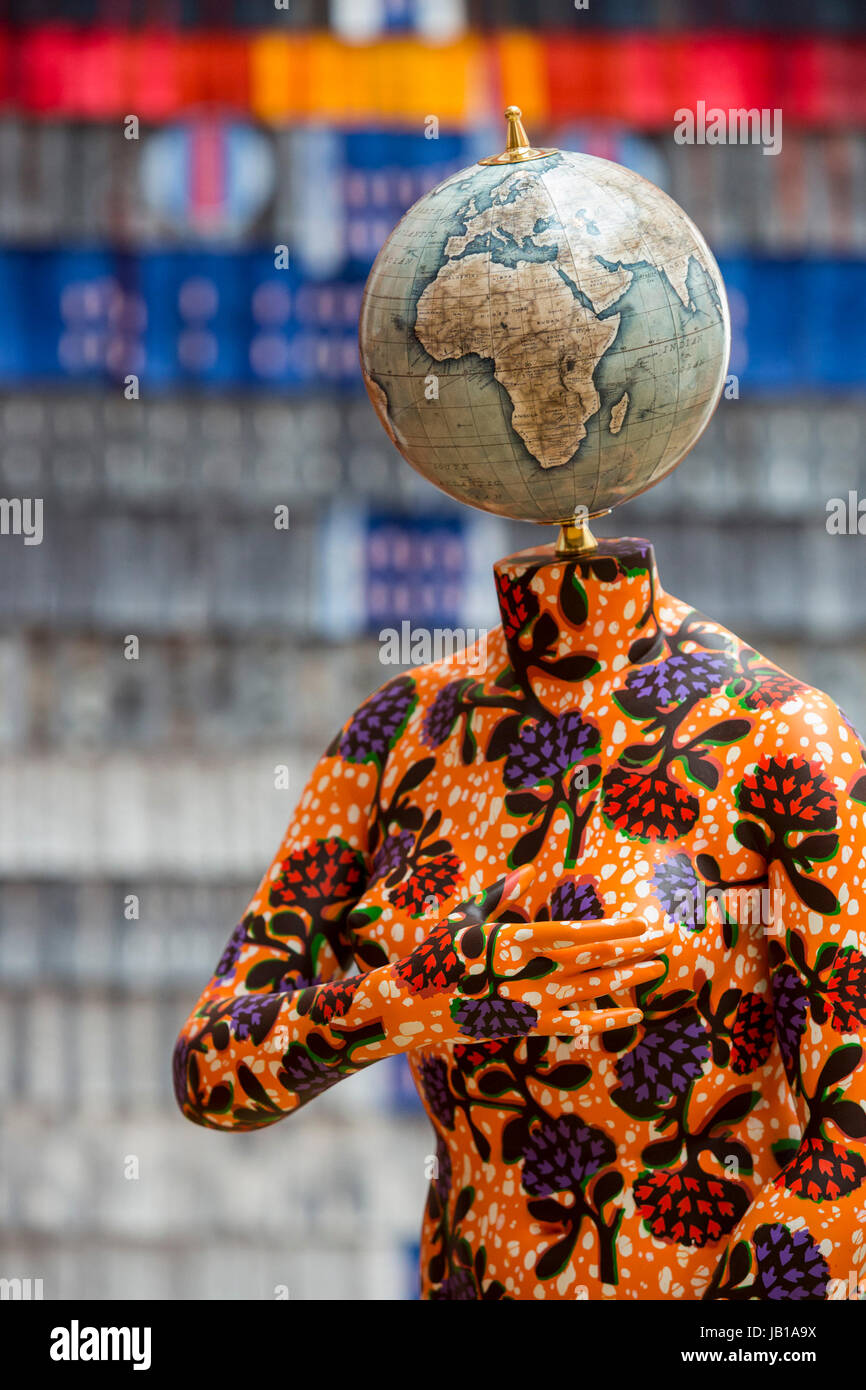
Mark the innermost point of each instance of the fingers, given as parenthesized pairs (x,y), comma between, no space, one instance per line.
(517,945)
(541,938)
(604,929)
(481,906)
(612,979)
(612,953)
(564,987)
(585,1022)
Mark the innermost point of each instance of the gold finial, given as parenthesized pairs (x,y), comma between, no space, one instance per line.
(575,538)
(517,146)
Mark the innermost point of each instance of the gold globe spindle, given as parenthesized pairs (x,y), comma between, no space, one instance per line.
(575,537)
(517,147)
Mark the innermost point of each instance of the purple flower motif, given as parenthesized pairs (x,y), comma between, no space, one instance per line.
(305,1075)
(228,959)
(459,1286)
(179,1071)
(249,1013)
(548,747)
(678,678)
(790,1005)
(437,1092)
(561,1153)
(440,717)
(442,1180)
(575,900)
(790,1265)
(495,1018)
(378,721)
(391,854)
(676,886)
(670,1055)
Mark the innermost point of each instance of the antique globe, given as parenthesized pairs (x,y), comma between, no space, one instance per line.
(545,334)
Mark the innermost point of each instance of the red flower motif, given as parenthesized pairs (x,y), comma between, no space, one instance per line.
(752,1034)
(335,1000)
(846,991)
(821,1169)
(517,604)
(689,1207)
(433,966)
(647,806)
(322,872)
(435,878)
(470,1056)
(773,689)
(789,794)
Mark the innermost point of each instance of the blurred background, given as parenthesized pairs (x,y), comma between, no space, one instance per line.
(154,158)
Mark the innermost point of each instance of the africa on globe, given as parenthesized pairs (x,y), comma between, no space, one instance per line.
(544,334)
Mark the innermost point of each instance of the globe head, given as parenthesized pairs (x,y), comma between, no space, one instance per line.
(544,335)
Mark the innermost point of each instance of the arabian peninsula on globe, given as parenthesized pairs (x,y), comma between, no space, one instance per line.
(544,336)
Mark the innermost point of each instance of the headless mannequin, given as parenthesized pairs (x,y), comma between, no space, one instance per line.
(607,1125)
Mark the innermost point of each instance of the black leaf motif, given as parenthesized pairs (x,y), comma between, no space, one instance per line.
(816,847)
(464,1201)
(816,896)
(708,868)
(554,1260)
(547,1209)
(702,771)
(838,1065)
(850,1117)
(414,776)
(751,836)
(496,1083)
(662,1153)
(728,731)
(568,1076)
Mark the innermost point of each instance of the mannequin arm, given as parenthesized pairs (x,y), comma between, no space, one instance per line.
(243,1061)
(802,1234)
(292,937)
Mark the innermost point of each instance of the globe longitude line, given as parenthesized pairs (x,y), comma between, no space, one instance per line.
(549,480)
(520,300)
(588,297)
(650,259)
(454,447)
(627,218)
(700,253)
(485,263)
(432,231)
(707,269)
(656,475)
(508,430)
(550,476)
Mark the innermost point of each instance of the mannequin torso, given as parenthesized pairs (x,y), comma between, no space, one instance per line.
(644,761)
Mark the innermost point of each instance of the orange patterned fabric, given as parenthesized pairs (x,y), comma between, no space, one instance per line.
(697,1131)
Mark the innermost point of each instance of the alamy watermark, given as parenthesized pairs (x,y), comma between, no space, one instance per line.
(846,517)
(419,646)
(738,126)
(753,905)
(22,516)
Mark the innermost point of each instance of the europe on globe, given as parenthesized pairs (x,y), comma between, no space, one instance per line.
(544,334)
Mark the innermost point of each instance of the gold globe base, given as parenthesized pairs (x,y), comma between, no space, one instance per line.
(575,538)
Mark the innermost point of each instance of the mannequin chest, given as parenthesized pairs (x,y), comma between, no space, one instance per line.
(617,816)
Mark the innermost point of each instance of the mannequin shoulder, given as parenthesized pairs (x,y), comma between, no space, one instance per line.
(809,726)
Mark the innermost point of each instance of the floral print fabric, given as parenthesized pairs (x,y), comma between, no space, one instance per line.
(643,761)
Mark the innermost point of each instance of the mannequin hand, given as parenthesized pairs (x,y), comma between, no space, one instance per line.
(478,978)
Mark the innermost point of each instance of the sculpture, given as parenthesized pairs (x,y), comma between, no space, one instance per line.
(606,896)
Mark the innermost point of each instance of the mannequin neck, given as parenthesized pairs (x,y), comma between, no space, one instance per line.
(569,619)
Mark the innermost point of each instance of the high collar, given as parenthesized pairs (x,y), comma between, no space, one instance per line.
(567,620)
